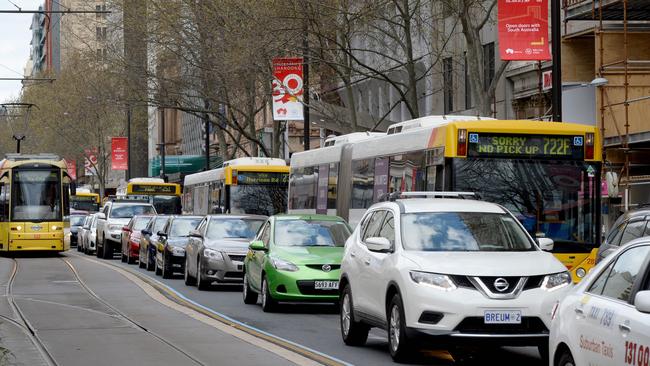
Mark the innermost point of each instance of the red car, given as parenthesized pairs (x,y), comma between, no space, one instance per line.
(131,234)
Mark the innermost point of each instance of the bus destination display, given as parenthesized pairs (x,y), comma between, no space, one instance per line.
(153,189)
(525,146)
(84,198)
(262,178)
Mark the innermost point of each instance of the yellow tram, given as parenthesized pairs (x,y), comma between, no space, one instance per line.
(34,202)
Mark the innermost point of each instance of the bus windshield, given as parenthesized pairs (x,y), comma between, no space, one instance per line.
(169,205)
(553,199)
(84,204)
(258,199)
(36,195)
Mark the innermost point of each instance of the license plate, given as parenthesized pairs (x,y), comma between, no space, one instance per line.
(502,317)
(326,285)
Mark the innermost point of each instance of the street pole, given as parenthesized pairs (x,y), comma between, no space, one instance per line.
(557,61)
(128,142)
(206,118)
(18,140)
(305,93)
(162,146)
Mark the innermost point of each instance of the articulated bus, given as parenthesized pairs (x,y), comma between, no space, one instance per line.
(242,186)
(165,197)
(85,200)
(546,173)
(34,200)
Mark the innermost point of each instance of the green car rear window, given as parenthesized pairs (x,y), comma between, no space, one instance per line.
(302,233)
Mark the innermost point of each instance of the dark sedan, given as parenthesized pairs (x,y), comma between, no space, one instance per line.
(147,250)
(171,242)
(76,222)
(216,249)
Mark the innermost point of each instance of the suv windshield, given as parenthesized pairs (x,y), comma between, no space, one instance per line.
(311,233)
(463,231)
(77,220)
(183,226)
(141,222)
(233,228)
(127,212)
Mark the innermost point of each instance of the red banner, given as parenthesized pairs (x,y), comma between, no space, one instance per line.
(523,30)
(287,89)
(120,153)
(71,167)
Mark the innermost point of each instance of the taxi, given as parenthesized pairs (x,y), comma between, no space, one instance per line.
(605,320)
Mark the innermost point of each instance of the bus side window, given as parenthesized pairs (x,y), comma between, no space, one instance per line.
(4,203)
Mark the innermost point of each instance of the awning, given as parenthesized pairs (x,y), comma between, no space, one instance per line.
(181,165)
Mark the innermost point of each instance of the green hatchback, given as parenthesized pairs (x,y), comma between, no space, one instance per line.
(295,258)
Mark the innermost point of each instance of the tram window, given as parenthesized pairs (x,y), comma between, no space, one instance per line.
(363,181)
(407,172)
(303,184)
(4,203)
(331,187)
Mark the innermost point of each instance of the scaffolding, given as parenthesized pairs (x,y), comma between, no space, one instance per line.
(622,56)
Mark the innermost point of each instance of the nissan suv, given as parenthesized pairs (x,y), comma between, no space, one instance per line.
(110,221)
(436,267)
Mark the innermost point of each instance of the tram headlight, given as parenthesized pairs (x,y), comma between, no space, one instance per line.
(580,272)
(19,228)
(55,227)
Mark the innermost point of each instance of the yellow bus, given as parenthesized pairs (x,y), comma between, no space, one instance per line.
(85,201)
(165,197)
(546,173)
(34,202)
(242,186)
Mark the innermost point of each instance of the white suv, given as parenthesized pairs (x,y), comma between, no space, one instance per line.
(113,217)
(447,270)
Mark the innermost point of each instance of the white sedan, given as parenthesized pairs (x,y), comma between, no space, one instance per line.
(605,319)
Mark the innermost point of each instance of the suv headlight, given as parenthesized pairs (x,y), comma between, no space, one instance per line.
(556,281)
(114,227)
(212,254)
(282,265)
(177,251)
(436,280)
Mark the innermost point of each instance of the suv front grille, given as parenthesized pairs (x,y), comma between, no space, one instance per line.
(320,266)
(476,325)
(236,258)
(532,282)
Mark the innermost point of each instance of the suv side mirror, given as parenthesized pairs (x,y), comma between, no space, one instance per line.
(642,301)
(545,244)
(101,216)
(195,233)
(378,244)
(161,234)
(257,245)
(145,232)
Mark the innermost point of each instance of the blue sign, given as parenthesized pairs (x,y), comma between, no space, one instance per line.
(577,141)
(473,138)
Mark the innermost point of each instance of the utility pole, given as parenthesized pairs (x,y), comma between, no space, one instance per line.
(128,142)
(305,77)
(162,146)
(206,118)
(557,61)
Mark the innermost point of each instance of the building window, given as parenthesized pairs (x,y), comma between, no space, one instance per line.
(101,33)
(468,85)
(447,80)
(488,64)
(99,8)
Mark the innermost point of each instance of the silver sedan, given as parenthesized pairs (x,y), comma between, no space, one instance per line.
(215,250)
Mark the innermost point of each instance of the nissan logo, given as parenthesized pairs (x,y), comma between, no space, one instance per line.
(501,285)
(326,267)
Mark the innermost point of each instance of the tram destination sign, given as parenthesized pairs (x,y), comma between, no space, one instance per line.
(262,178)
(525,146)
(153,189)
(84,198)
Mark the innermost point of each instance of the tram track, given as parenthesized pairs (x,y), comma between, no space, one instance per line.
(24,324)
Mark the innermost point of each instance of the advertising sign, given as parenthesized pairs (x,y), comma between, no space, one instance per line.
(287,89)
(523,30)
(119,153)
(90,161)
(71,167)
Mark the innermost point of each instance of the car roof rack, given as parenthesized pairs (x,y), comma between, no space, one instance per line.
(433,194)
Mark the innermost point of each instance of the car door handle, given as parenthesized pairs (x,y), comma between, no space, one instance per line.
(353,254)
(624,328)
(367,261)
(579,311)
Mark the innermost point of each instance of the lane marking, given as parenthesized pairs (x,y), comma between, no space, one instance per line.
(294,352)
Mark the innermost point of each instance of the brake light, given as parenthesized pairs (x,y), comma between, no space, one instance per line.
(462,143)
(589,146)
(126,228)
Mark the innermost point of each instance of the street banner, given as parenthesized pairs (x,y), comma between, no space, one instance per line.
(523,30)
(119,153)
(90,161)
(287,89)
(71,167)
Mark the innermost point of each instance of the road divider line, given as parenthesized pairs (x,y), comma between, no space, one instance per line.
(292,351)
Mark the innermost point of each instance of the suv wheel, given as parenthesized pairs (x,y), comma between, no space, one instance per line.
(157,269)
(250,296)
(189,280)
(166,267)
(398,343)
(201,284)
(99,251)
(149,265)
(107,250)
(268,302)
(354,333)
